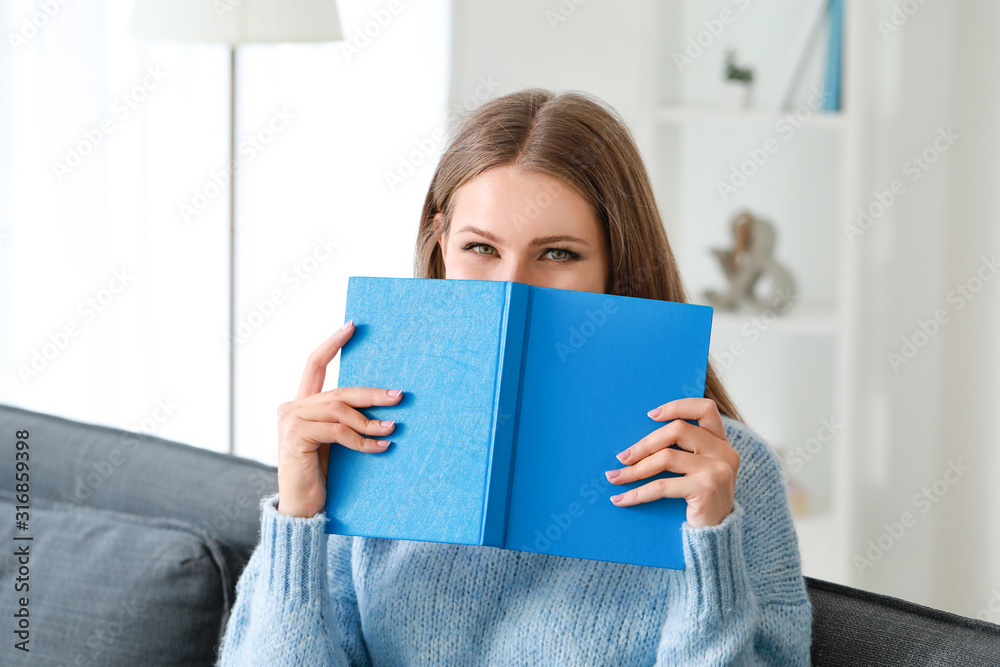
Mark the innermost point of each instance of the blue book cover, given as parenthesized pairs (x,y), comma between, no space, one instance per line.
(516,399)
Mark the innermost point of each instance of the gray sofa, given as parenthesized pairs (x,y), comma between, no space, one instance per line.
(137,543)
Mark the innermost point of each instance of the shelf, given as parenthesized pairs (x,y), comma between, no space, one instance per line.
(678,115)
(813,320)
(788,373)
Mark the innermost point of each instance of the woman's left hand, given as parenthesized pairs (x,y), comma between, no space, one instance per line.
(706,461)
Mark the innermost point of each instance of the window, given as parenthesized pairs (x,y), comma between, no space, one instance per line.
(114,275)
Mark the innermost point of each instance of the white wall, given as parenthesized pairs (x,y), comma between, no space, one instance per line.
(933,411)
(968,556)
(523,43)
(902,259)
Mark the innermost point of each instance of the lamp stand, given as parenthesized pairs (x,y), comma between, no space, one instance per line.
(232,249)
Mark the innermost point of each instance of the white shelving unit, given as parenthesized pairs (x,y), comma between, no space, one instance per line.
(682,115)
(791,375)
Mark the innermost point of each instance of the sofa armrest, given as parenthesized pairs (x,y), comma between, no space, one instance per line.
(856,627)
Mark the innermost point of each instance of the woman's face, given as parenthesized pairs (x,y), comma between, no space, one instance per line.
(524,227)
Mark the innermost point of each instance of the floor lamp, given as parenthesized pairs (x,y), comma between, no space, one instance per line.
(235,22)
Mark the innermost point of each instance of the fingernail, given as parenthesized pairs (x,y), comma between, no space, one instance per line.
(655,412)
(382,443)
(624,455)
(395,392)
(387,424)
(615,499)
(346,324)
(611,474)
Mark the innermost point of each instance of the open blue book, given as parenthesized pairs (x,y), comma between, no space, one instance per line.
(516,399)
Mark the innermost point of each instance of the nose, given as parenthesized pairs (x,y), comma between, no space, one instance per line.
(514,271)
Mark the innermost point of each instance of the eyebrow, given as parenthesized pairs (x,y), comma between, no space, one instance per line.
(542,240)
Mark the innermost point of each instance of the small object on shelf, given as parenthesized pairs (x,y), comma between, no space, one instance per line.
(737,84)
(798,498)
(747,262)
(798,495)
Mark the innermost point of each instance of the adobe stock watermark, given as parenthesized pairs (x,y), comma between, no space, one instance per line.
(122,621)
(100,471)
(292,279)
(562,12)
(898,16)
(225,7)
(218,180)
(424,150)
(227,512)
(926,330)
(484,90)
(534,206)
(703,40)
(561,523)
(33,23)
(991,612)
(427,148)
(578,335)
(629,285)
(364,35)
(786,126)
(803,452)
(924,500)
(121,108)
(755,327)
(915,167)
(87,310)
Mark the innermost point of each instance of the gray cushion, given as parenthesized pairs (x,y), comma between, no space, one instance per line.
(108,468)
(109,588)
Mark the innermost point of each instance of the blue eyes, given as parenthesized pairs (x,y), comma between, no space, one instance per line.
(569,255)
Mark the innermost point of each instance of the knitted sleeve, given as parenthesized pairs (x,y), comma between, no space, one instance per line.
(295,600)
(745,601)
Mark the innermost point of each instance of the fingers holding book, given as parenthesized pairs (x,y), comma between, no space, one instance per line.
(315,372)
(699,453)
(316,419)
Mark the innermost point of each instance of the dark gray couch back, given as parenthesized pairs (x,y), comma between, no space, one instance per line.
(108,468)
(856,627)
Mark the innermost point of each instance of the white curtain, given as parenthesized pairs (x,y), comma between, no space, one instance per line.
(107,297)
(114,219)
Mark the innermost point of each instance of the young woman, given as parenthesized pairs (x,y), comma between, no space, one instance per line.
(547,190)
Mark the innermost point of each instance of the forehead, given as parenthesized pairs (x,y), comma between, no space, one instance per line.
(511,198)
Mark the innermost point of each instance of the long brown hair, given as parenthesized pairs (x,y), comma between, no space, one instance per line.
(576,138)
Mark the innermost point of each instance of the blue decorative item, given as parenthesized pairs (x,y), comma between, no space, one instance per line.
(834,64)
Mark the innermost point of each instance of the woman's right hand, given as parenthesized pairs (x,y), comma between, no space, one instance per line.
(316,418)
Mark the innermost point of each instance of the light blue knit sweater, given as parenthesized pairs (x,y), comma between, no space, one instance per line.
(307,598)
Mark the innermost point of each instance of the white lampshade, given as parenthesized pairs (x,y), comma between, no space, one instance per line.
(237,21)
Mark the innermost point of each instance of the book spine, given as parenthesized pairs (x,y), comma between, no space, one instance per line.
(798,54)
(513,334)
(831,97)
